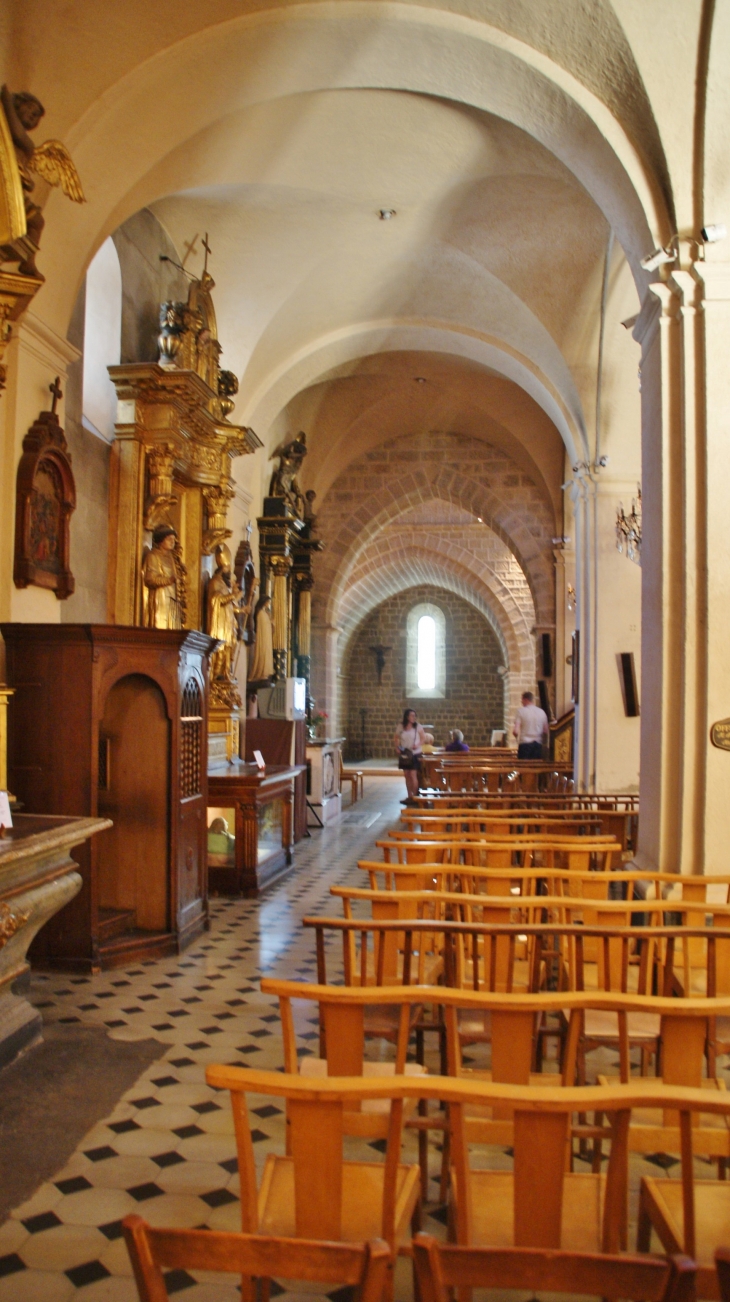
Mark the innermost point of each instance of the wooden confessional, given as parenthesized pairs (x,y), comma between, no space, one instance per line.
(112,721)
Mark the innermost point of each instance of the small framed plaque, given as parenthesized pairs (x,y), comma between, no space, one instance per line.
(720,734)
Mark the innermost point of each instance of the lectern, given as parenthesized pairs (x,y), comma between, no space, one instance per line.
(111,722)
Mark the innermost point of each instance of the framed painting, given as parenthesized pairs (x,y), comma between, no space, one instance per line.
(45,497)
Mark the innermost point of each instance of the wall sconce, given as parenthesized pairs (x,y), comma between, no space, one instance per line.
(572,600)
(628,529)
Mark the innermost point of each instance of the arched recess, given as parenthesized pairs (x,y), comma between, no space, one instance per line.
(261,56)
(529,541)
(401,570)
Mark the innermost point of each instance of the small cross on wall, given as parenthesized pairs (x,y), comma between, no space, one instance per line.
(55,389)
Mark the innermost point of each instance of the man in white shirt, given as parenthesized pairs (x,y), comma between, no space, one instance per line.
(531,728)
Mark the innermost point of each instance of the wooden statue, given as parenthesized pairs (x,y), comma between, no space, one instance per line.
(51,161)
(261,665)
(284,481)
(163,581)
(248,583)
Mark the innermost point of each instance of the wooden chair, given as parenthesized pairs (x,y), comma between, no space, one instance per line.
(362,1266)
(357,783)
(441,1268)
(344,1024)
(312,1192)
(687,1214)
(722,1266)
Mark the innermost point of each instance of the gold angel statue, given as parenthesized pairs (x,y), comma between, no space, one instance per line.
(51,161)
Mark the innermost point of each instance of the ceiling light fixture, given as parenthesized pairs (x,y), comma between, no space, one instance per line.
(711,234)
(385,214)
(420,379)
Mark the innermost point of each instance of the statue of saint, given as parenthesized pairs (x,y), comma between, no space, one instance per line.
(223,598)
(261,664)
(248,583)
(284,481)
(163,581)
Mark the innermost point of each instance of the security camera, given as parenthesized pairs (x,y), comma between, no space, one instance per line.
(657,258)
(711,234)
(630,321)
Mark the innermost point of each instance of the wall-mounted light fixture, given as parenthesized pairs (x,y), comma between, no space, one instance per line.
(572,599)
(386,214)
(628,528)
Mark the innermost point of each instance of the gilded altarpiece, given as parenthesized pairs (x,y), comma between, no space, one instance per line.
(171,481)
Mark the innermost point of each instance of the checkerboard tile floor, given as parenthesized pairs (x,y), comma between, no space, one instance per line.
(168,1149)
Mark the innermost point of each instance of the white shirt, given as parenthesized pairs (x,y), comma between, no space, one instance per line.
(531,724)
(412,738)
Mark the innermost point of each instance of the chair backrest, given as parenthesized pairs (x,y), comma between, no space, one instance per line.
(442,1268)
(319,1111)
(363,1266)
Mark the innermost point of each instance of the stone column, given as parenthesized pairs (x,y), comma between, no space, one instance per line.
(280,566)
(684,332)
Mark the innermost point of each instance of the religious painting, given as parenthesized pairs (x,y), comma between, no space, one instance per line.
(45,519)
(45,498)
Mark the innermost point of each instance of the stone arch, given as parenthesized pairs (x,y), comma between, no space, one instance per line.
(431,480)
(400,569)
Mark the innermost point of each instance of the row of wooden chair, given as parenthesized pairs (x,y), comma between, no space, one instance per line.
(439,1268)
(311,1192)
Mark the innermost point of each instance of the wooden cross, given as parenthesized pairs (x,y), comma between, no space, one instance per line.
(208,250)
(380,654)
(189,246)
(55,389)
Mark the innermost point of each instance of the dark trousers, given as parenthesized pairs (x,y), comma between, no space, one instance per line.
(529,750)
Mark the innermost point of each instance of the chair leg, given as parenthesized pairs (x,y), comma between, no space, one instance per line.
(445,1165)
(423,1150)
(722,1168)
(643,1229)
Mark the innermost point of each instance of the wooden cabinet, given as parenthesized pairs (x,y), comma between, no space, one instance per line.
(261,803)
(111,721)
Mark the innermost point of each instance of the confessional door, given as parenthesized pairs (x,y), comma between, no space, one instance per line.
(134,791)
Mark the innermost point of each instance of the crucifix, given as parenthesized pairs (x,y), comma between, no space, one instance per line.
(55,389)
(380,653)
(208,250)
(189,246)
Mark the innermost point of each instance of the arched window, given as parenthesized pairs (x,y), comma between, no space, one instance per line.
(426,651)
(102,336)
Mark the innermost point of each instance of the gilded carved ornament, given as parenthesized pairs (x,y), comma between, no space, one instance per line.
(10,923)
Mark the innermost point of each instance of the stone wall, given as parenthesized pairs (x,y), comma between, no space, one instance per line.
(474,699)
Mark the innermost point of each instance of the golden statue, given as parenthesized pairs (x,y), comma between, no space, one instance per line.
(224,599)
(163,578)
(51,161)
(261,663)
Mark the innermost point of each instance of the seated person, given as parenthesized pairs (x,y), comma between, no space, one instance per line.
(457,741)
(221,845)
